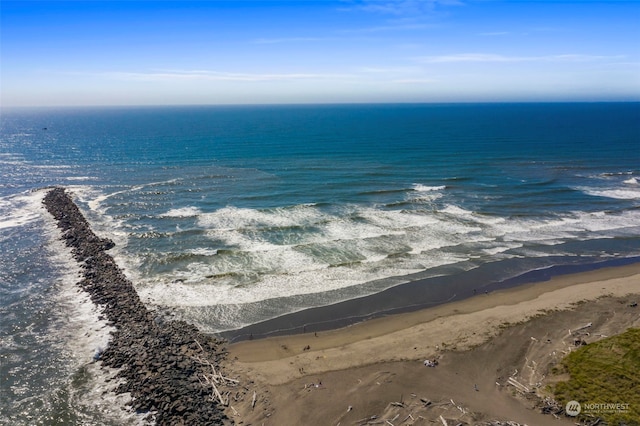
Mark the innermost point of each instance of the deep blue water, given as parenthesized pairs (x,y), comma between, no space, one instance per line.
(232,215)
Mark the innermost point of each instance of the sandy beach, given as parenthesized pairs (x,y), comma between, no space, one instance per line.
(494,353)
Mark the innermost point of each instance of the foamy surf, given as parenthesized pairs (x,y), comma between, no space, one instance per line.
(20,209)
(244,265)
(245,256)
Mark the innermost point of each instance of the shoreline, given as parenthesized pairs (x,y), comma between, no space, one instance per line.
(558,293)
(516,320)
(412,296)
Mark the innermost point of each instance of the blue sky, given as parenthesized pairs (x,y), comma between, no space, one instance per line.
(243,52)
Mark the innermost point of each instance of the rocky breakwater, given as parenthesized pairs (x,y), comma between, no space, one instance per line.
(171,370)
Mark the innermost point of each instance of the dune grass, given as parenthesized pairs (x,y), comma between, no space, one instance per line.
(605,372)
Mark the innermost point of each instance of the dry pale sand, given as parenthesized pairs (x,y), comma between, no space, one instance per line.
(373,372)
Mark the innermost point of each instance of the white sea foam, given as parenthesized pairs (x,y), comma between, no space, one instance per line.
(101,222)
(204,251)
(234,305)
(424,194)
(80,326)
(601,221)
(94,198)
(457,211)
(630,191)
(261,254)
(425,188)
(239,218)
(358,234)
(79,178)
(184,293)
(501,249)
(182,212)
(632,181)
(398,220)
(20,209)
(348,248)
(622,194)
(344,249)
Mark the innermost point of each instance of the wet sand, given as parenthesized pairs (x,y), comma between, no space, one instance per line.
(375,368)
(416,295)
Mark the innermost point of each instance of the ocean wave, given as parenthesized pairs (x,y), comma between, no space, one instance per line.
(183,212)
(21,209)
(620,194)
(456,211)
(79,178)
(501,249)
(233,218)
(256,247)
(425,188)
(612,174)
(632,181)
(204,251)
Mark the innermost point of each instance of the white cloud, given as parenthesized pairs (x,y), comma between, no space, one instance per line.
(205,75)
(402,7)
(388,70)
(488,57)
(495,33)
(415,81)
(384,28)
(290,40)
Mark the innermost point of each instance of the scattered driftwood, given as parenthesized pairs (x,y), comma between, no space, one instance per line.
(368,420)
(580,328)
(407,418)
(551,406)
(214,378)
(407,412)
(425,401)
(519,386)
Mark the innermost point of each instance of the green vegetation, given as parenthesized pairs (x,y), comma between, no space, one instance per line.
(605,372)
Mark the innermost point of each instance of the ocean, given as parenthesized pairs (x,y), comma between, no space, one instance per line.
(227,216)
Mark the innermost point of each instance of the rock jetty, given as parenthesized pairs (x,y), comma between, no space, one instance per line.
(171,370)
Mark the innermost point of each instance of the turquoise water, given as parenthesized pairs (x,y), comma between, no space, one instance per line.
(233,215)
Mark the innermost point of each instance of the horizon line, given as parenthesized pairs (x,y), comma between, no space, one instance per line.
(266,104)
